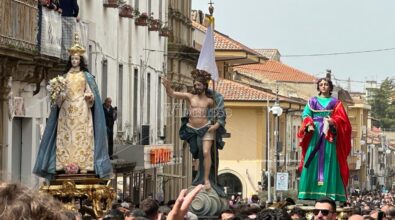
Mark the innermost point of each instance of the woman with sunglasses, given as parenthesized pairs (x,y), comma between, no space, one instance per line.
(326,142)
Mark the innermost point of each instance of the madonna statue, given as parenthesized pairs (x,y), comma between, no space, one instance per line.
(75,138)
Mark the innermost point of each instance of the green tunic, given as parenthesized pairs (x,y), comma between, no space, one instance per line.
(332,186)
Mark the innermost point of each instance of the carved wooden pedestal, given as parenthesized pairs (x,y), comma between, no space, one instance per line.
(207,203)
(71,189)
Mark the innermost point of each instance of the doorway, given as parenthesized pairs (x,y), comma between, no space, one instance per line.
(21,151)
(231,183)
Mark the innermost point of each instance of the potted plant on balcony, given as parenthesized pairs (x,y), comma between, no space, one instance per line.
(136,12)
(164,31)
(111,3)
(154,24)
(142,19)
(126,11)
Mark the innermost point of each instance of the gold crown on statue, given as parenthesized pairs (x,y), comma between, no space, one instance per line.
(77,47)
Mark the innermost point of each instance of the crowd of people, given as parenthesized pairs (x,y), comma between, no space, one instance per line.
(19,202)
(370,205)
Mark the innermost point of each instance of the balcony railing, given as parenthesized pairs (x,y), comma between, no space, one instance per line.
(18,25)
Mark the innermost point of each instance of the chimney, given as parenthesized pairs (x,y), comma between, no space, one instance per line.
(328,74)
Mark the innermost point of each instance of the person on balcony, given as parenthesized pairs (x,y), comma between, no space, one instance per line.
(326,142)
(50,4)
(75,136)
(69,8)
(70,20)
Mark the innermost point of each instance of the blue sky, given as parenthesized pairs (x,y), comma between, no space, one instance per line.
(305,27)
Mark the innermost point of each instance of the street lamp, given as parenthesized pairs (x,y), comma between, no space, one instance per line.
(277,112)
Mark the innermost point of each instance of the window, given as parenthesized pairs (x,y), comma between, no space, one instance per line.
(149,7)
(136,4)
(148,98)
(90,51)
(120,94)
(159,106)
(160,11)
(104,69)
(135,97)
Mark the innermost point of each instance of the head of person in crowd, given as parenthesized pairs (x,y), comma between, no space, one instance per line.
(226,214)
(356,211)
(255,199)
(72,215)
(273,214)
(115,212)
(290,201)
(133,215)
(391,212)
(251,210)
(171,203)
(356,217)
(384,208)
(150,207)
(297,213)
(325,208)
(20,202)
(164,210)
(365,212)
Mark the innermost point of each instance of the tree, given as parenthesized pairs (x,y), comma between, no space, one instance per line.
(382,108)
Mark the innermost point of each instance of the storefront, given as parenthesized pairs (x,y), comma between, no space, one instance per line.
(139,170)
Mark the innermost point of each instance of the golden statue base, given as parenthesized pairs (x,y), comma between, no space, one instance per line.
(75,189)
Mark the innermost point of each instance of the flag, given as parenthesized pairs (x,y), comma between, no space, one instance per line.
(206,60)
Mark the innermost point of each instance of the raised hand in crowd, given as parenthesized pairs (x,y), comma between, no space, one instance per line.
(183,202)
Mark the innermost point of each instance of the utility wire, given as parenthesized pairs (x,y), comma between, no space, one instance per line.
(308,55)
(339,53)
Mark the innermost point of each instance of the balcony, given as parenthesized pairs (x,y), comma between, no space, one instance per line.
(18,25)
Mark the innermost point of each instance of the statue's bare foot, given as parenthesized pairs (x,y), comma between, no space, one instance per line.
(207,185)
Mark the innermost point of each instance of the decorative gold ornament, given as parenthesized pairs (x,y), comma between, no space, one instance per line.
(77,48)
(75,188)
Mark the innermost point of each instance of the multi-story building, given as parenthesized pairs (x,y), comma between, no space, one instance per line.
(358,115)
(128,54)
(126,50)
(182,59)
(26,64)
(291,83)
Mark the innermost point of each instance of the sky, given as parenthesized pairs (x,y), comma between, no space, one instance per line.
(309,27)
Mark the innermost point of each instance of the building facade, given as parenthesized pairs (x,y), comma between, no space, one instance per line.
(126,55)
(182,59)
(358,159)
(25,68)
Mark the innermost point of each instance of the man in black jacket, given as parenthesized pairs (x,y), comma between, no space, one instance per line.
(69,8)
(111,115)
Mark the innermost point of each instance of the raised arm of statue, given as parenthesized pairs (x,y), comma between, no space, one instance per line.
(170,91)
